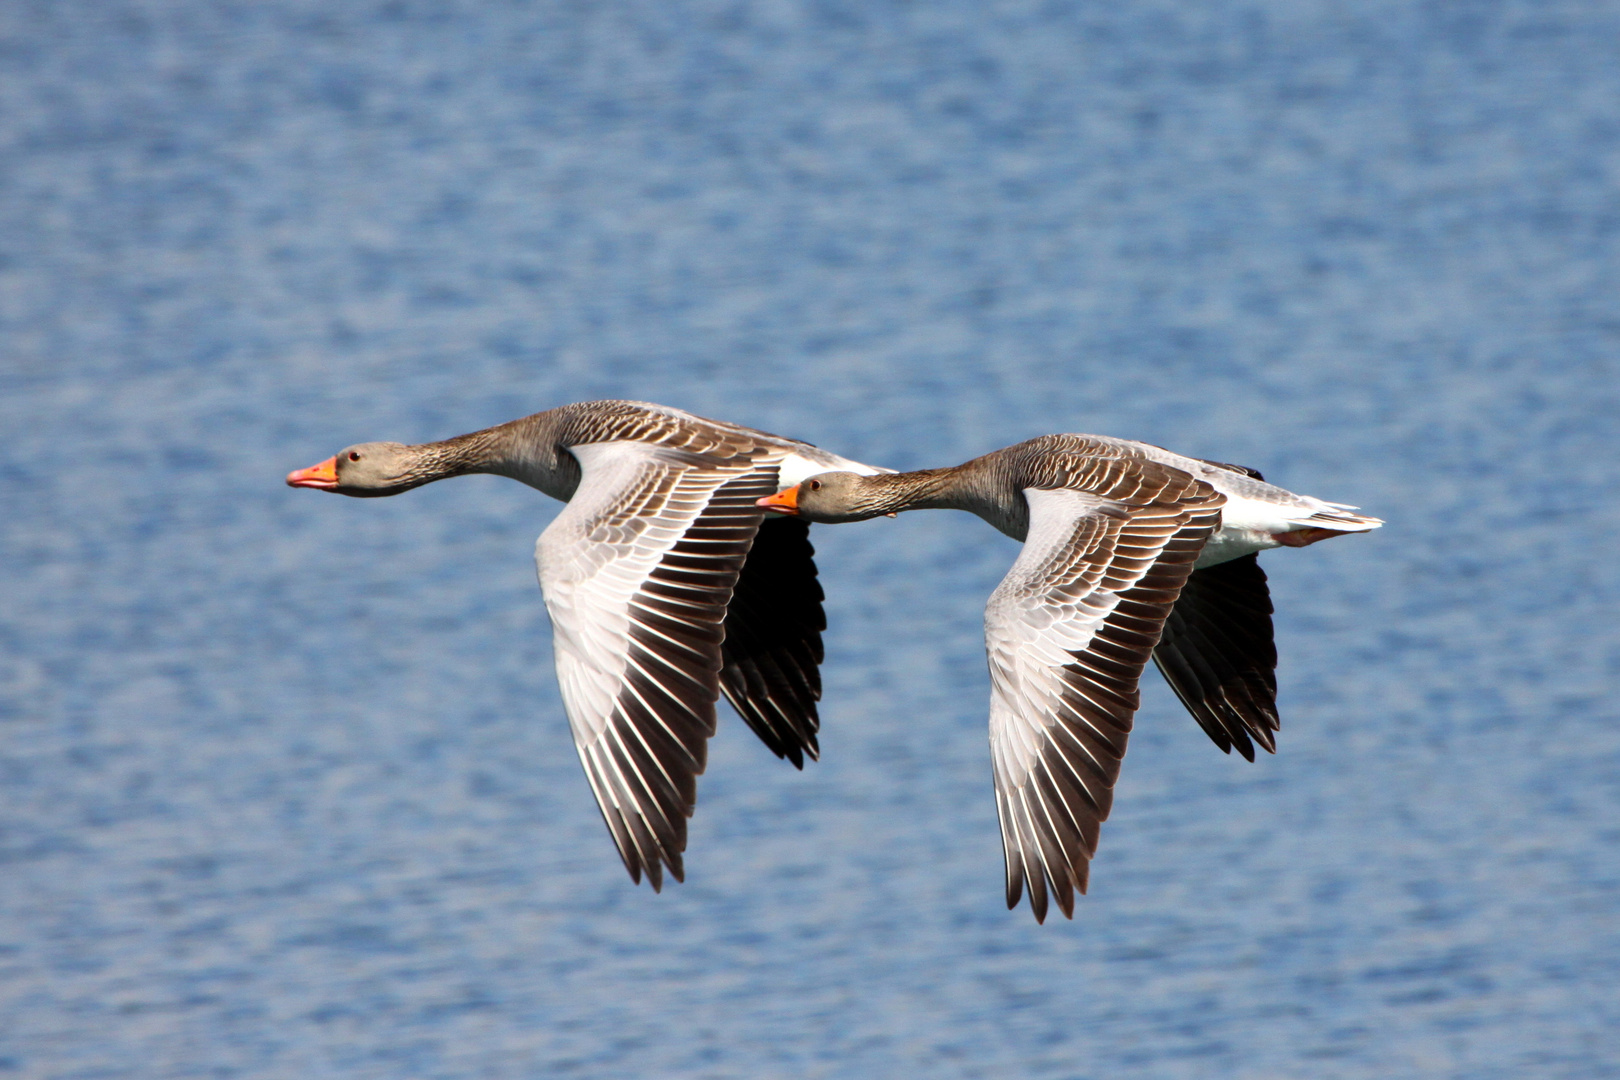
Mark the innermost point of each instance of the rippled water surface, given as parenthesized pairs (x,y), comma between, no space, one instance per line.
(285,785)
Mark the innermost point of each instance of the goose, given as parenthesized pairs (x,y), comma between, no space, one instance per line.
(1129,551)
(666,584)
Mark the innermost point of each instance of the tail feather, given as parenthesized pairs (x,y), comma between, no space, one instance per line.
(1338,517)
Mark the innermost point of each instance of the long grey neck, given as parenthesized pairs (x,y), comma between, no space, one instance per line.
(967,487)
(527,450)
(925,489)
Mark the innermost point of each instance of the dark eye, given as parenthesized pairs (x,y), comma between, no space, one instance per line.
(354,455)
(815,485)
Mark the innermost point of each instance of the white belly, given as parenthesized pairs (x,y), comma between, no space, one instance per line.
(1247,526)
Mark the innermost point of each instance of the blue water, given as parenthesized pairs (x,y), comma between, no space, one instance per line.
(285,784)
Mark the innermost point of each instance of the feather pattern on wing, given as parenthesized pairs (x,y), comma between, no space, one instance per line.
(1068,633)
(637,571)
(772,650)
(1219,656)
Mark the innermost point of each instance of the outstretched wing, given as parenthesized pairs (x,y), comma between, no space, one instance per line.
(772,650)
(1068,633)
(637,571)
(1218,654)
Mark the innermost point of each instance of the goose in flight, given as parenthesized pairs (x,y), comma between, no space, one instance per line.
(1130,551)
(666,584)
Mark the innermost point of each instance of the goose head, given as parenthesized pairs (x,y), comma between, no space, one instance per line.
(366,470)
(830,498)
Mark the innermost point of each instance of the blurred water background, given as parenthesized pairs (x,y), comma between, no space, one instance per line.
(285,785)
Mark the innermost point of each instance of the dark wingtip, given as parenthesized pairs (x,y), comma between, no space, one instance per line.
(1037,902)
(1266,739)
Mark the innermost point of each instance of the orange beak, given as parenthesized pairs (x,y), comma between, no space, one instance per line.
(783,502)
(323,476)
